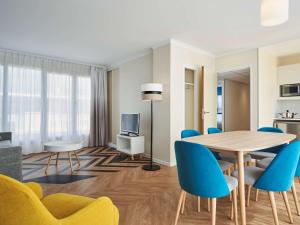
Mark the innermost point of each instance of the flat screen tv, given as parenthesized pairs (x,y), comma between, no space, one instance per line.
(130,123)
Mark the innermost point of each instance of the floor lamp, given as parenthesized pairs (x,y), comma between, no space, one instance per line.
(151,92)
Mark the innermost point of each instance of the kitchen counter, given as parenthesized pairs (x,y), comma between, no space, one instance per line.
(287,119)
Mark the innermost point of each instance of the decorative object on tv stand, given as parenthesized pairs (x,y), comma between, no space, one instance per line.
(151,92)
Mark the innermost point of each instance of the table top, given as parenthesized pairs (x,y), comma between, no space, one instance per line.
(245,141)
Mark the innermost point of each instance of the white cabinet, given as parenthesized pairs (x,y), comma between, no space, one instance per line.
(131,145)
(289,74)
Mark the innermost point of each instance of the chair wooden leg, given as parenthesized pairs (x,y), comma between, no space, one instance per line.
(256,195)
(213,211)
(295,198)
(183,203)
(199,204)
(235,207)
(287,205)
(273,204)
(49,160)
(70,161)
(248,195)
(179,206)
(208,205)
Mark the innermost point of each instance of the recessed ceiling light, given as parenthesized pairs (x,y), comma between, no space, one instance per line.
(274,12)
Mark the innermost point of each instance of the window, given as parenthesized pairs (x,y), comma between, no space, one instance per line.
(24,102)
(43,100)
(60,106)
(83,105)
(1,96)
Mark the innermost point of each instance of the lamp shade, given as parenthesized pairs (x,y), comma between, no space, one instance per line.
(274,12)
(151,91)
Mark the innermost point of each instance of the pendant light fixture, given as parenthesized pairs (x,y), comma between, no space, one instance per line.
(274,12)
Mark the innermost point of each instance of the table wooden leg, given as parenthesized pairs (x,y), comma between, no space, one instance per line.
(49,160)
(77,159)
(242,186)
(70,161)
(57,157)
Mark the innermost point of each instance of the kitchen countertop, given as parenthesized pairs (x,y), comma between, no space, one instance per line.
(288,119)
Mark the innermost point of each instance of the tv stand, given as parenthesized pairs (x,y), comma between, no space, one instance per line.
(131,145)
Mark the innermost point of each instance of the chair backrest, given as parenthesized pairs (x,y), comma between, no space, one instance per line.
(270,129)
(213,130)
(190,133)
(19,205)
(280,174)
(198,171)
(275,149)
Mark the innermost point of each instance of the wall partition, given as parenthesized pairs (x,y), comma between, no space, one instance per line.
(43,100)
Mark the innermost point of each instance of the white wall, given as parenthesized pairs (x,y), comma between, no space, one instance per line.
(127,81)
(161,117)
(184,56)
(240,61)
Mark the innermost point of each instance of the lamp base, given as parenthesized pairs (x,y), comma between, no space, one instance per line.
(151,167)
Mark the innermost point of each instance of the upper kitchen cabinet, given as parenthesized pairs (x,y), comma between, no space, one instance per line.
(288,81)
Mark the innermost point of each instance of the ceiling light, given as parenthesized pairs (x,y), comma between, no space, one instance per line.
(274,12)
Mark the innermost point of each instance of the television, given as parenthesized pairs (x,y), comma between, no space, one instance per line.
(130,123)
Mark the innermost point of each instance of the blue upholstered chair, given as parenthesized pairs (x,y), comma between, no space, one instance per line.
(225,166)
(264,163)
(277,177)
(227,157)
(200,174)
(269,152)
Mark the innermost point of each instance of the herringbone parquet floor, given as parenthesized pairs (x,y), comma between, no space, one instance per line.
(150,198)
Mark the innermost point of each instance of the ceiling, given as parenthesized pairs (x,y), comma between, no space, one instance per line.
(242,76)
(107,31)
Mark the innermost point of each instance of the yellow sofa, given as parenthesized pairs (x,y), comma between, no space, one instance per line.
(24,204)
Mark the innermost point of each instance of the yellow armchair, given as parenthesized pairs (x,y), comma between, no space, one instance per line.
(24,204)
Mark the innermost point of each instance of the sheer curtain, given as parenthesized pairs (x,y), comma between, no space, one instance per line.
(43,100)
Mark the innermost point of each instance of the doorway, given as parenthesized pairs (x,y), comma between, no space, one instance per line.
(189,99)
(233,109)
(194,98)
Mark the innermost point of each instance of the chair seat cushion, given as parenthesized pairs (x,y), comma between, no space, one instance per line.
(262,155)
(232,182)
(225,165)
(264,163)
(62,205)
(232,158)
(252,173)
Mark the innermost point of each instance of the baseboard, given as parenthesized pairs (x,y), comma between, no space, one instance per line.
(162,162)
(112,145)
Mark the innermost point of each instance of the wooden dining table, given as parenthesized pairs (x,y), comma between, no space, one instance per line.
(241,143)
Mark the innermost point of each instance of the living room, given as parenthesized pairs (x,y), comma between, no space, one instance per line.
(93,112)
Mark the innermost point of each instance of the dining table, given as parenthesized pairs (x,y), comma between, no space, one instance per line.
(240,143)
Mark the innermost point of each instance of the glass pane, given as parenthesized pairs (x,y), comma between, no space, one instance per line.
(83,91)
(1,96)
(59,96)
(24,104)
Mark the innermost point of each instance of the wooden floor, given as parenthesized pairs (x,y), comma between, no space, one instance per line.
(150,198)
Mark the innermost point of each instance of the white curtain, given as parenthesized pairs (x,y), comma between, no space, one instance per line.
(43,100)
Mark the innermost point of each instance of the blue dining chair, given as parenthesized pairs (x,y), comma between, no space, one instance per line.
(225,166)
(264,163)
(269,152)
(265,153)
(277,177)
(227,157)
(200,174)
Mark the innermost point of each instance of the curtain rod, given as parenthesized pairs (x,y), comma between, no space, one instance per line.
(51,58)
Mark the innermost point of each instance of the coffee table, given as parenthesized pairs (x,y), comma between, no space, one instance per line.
(57,147)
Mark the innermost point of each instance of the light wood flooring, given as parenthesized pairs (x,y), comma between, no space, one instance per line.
(150,198)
